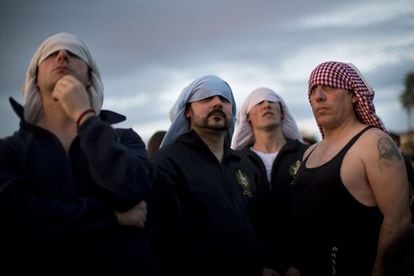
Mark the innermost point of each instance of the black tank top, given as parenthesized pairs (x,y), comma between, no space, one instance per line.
(334,233)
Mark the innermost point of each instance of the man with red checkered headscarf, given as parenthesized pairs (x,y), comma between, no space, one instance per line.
(353,193)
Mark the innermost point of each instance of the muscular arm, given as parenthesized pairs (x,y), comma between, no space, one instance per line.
(384,167)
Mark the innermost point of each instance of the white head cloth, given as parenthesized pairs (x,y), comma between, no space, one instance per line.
(200,88)
(32,97)
(243,135)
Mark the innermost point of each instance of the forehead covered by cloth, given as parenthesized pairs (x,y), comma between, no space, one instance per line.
(243,134)
(57,42)
(346,76)
(201,88)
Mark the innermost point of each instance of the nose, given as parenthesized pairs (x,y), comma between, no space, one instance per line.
(318,94)
(62,55)
(266,104)
(217,101)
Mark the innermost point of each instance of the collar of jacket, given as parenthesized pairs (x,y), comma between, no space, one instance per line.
(193,139)
(291,145)
(106,116)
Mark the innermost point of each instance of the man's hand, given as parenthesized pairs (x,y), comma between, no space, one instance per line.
(72,96)
(136,216)
(269,272)
(292,272)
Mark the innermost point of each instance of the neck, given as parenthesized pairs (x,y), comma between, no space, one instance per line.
(268,141)
(54,119)
(333,135)
(214,141)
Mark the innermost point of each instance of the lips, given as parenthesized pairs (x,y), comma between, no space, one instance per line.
(216,113)
(321,109)
(62,69)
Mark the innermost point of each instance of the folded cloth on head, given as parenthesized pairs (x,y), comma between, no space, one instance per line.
(60,41)
(243,134)
(347,76)
(200,88)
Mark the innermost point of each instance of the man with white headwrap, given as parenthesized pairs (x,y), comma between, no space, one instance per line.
(352,198)
(198,213)
(268,135)
(72,188)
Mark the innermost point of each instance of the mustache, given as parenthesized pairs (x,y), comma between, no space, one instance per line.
(215,112)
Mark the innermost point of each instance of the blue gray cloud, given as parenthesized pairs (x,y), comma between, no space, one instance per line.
(149,50)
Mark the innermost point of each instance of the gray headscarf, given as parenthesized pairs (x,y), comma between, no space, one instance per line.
(32,97)
(243,135)
(201,88)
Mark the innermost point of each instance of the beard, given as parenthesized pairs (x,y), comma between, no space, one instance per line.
(215,120)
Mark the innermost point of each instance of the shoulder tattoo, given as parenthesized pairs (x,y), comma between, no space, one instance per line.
(387,150)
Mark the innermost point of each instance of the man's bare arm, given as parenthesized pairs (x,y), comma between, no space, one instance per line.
(385,172)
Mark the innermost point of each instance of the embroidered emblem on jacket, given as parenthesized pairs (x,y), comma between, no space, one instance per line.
(293,169)
(244,182)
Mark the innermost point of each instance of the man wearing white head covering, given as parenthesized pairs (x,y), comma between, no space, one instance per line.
(244,134)
(198,214)
(352,198)
(61,41)
(268,135)
(72,187)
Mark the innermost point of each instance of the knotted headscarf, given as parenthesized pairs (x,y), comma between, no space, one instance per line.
(243,135)
(201,88)
(346,76)
(60,41)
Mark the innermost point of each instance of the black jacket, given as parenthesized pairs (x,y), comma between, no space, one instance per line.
(57,208)
(272,213)
(198,214)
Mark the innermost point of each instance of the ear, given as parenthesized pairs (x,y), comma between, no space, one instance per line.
(37,79)
(88,84)
(187,112)
(354,99)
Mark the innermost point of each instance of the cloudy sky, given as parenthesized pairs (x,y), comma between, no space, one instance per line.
(148,51)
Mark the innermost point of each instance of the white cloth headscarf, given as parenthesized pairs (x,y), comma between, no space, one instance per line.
(200,88)
(243,135)
(60,41)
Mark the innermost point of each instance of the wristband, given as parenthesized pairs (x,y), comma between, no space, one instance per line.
(90,110)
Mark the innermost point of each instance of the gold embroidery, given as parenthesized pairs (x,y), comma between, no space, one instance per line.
(244,182)
(293,169)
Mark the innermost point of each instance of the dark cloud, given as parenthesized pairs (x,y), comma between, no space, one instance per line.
(149,50)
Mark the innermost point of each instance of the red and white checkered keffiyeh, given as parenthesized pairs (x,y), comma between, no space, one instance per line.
(347,76)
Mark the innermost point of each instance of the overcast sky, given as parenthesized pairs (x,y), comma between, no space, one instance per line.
(148,51)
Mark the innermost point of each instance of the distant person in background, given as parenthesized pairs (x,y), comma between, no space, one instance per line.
(353,197)
(268,135)
(407,159)
(409,170)
(198,215)
(72,187)
(155,141)
(309,140)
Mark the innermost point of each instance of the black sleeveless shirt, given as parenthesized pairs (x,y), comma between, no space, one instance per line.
(334,233)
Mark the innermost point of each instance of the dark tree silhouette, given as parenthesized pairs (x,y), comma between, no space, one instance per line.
(407,97)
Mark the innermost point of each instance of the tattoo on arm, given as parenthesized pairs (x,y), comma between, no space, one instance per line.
(387,150)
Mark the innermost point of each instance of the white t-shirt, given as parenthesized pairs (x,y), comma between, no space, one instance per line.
(268,159)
